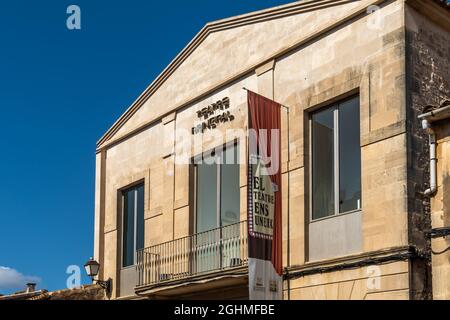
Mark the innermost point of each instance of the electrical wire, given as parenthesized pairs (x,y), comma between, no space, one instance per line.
(405,256)
(437,253)
(440,232)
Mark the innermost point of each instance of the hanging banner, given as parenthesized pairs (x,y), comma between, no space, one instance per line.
(264,199)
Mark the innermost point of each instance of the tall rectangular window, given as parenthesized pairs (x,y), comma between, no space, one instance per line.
(217,189)
(207,195)
(133,224)
(217,209)
(336,160)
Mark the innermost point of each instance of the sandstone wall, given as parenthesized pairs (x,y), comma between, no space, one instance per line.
(356,57)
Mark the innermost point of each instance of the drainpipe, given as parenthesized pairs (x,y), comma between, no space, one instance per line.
(426,125)
(436,114)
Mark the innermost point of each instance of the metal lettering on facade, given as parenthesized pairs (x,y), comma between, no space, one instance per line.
(211,118)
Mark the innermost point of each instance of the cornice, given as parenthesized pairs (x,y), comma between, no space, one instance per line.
(437,11)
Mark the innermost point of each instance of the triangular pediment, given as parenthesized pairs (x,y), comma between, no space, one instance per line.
(226,49)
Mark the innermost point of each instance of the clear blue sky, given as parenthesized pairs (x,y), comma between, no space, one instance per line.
(60,90)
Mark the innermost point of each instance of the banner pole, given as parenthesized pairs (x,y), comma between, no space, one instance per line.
(288,249)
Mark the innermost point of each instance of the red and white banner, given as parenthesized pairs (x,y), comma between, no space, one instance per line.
(264,199)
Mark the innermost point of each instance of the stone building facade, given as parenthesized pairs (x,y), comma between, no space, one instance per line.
(367,238)
(436,122)
(441,216)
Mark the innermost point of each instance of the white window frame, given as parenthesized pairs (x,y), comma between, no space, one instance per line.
(196,159)
(335,106)
(133,188)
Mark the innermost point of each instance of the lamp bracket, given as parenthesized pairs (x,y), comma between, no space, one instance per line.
(106,285)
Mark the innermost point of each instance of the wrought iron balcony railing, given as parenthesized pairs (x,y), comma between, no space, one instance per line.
(206,252)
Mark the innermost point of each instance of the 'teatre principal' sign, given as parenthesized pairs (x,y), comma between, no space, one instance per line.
(213,115)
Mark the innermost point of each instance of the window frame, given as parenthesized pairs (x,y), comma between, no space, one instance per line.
(200,157)
(336,159)
(133,187)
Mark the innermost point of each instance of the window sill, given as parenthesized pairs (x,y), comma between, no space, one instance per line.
(336,216)
(128,268)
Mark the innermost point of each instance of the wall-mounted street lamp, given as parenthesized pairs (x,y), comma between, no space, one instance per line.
(92,268)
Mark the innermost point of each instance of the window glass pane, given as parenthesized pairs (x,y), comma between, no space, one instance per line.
(206,196)
(140,218)
(230,192)
(349,156)
(323,163)
(128,228)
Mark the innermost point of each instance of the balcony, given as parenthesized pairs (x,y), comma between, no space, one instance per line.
(210,252)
